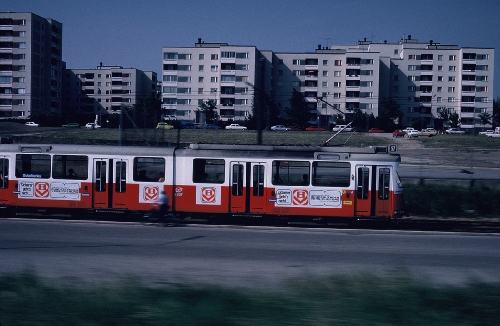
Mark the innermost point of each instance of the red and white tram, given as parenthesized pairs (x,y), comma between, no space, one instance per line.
(230,180)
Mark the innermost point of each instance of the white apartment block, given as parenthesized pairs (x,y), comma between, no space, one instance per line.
(105,89)
(420,77)
(30,65)
(220,72)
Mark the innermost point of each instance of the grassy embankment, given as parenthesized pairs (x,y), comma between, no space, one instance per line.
(338,300)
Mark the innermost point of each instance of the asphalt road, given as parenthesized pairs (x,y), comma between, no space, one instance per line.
(238,256)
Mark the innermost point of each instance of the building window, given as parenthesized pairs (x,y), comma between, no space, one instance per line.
(451,78)
(324,84)
(213,90)
(440,68)
(337,84)
(396,89)
(452,58)
(337,73)
(451,99)
(214,68)
(200,79)
(412,88)
(325,73)
(439,89)
(439,99)
(440,78)
(200,68)
(280,72)
(296,84)
(412,57)
(325,62)
(338,62)
(201,56)
(214,57)
(396,51)
(452,68)
(451,89)
(440,57)
(213,79)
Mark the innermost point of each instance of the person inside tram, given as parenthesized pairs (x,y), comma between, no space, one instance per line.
(162,177)
(142,176)
(72,174)
(305,180)
(3,181)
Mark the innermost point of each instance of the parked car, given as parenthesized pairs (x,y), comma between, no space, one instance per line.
(71,125)
(92,125)
(294,128)
(164,125)
(454,131)
(429,132)
(408,129)
(31,124)
(211,126)
(189,125)
(314,128)
(487,132)
(398,133)
(375,130)
(342,127)
(412,133)
(235,126)
(169,117)
(280,128)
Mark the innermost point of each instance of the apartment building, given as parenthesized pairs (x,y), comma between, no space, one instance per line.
(105,89)
(422,78)
(225,74)
(426,77)
(30,65)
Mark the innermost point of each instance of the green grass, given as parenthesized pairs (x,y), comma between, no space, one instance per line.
(460,141)
(394,299)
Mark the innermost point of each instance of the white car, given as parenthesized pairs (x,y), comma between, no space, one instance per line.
(280,128)
(92,125)
(412,133)
(454,131)
(487,132)
(408,129)
(31,124)
(342,127)
(235,126)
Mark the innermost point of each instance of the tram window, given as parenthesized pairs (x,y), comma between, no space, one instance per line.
(363,182)
(33,166)
(100,176)
(237,180)
(331,174)
(384,177)
(121,176)
(70,167)
(290,173)
(208,170)
(150,169)
(4,173)
(258,180)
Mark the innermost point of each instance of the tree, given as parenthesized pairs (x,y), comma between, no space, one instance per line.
(210,110)
(359,119)
(496,112)
(147,111)
(454,120)
(485,118)
(298,113)
(389,114)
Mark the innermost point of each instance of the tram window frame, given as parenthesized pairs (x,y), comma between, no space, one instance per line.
(331,174)
(121,176)
(149,169)
(209,170)
(290,173)
(384,181)
(237,180)
(36,166)
(363,183)
(61,164)
(258,180)
(4,171)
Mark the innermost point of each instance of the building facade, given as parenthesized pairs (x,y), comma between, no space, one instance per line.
(225,74)
(30,65)
(105,89)
(423,79)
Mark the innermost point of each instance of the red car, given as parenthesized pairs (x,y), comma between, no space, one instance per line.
(294,128)
(375,130)
(314,128)
(398,133)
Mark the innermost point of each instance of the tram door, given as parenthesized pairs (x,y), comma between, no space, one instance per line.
(373,186)
(4,181)
(247,184)
(110,183)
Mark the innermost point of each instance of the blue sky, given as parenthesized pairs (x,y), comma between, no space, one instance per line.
(131,33)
